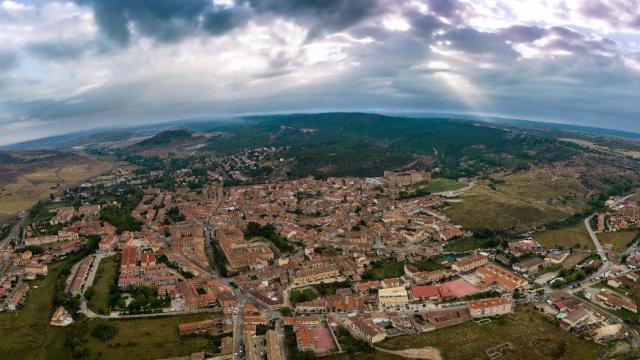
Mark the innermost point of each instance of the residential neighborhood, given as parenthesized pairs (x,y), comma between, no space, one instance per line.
(308,263)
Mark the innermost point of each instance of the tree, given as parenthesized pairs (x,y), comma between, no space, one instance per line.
(173,215)
(517,294)
(104,331)
(286,311)
(253,229)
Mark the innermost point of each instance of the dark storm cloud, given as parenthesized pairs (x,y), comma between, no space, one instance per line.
(450,9)
(472,41)
(162,20)
(221,21)
(523,33)
(172,20)
(424,24)
(321,15)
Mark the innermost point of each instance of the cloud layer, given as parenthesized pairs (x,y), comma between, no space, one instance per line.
(67,66)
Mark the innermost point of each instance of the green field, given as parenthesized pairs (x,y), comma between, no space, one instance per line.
(105,277)
(298,296)
(437,185)
(618,240)
(27,333)
(521,200)
(384,269)
(150,338)
(533,336)
(432,264)
(565,238)
(470,243)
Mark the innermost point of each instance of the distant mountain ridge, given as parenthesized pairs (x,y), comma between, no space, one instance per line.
(166,137)
(96,136)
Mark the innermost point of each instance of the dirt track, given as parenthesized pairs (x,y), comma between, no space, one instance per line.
(429,353)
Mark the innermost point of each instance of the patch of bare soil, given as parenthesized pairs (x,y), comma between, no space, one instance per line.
(429,353)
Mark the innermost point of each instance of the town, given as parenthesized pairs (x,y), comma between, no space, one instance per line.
(306,267)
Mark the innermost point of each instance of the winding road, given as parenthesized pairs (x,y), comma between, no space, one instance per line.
(597,277)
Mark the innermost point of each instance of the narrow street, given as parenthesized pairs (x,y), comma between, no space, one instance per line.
(238,352)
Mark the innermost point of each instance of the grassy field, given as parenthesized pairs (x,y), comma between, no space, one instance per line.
(384,269)
(302,295)
(618,240)
(533,336)
(438,185)
(150,338)
(565,238)
(27,334)
(470,243)
(532,197)
(35,184)
(107,273)
(574,259)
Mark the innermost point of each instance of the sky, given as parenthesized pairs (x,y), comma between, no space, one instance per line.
(67,66)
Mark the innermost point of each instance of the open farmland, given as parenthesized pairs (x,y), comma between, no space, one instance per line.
(533,197)
(565,238)
(26,183)
(533,336)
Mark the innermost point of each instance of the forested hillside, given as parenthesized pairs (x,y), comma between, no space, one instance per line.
(338,144)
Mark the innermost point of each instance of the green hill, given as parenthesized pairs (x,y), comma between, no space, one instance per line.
(342,144)
(166,137)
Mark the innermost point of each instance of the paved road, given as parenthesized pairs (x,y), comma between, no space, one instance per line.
(90,314)
(238,319)
(15,231)
(90,278)
(606,264)
(596,242)
(596,277)
(459,191)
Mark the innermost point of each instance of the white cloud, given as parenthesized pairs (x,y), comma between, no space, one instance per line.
(62,67)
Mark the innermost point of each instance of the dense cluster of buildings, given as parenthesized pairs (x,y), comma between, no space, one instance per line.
(337,229)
